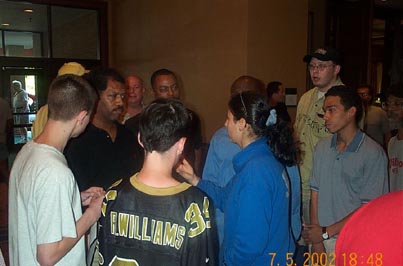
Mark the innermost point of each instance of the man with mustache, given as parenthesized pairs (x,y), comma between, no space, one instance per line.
(106,151)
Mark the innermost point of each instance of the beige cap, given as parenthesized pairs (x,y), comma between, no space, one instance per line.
(72,68)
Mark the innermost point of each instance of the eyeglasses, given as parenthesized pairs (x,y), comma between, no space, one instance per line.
(319,67)
(114,96)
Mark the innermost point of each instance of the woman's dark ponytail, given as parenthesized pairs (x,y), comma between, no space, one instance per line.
(254,109)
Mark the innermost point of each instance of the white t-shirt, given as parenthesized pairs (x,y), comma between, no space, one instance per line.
(395,152)
(44,205)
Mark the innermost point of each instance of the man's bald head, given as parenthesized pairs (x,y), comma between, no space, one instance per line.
(247,83)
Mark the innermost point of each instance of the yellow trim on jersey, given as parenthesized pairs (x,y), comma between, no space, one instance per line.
(158,191)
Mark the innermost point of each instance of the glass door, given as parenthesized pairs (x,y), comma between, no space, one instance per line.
(21,87)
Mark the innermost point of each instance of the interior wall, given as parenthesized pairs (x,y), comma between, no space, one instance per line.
(277,42)
(208,44)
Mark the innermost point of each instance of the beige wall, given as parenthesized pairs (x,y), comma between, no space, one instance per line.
(209,43)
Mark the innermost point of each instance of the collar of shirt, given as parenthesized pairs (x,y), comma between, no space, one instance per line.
(355,144)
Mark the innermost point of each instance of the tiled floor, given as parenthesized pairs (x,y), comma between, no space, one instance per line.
(4,220)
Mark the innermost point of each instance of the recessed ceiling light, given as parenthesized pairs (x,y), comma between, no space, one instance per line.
(5,24)
(28,11)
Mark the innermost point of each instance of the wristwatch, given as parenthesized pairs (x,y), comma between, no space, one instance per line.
(325,235)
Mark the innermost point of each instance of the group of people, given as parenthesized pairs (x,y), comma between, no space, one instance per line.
(342,167)
(129,177)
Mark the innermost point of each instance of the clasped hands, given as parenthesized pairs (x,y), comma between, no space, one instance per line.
(312,233)
(93,193)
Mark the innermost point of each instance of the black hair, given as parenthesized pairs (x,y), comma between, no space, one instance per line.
(68,95)
(367,86)
(253,107)
(273,87)
(100,76)
(162,123)
(160,72)
(348,98)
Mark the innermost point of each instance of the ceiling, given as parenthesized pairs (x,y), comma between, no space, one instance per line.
(12,13)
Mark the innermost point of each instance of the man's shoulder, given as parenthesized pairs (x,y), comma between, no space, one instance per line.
(133,123)
(32,156)
(196,193)
(370,145)
(309,93)
(220,134)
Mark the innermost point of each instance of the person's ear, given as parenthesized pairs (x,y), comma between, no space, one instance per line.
(241,124)
(81,116)
(181,144)
(352,111)
(139,141)
(337,69)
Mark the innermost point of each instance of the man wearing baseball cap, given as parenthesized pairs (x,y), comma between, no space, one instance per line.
(324,66)
(42,115)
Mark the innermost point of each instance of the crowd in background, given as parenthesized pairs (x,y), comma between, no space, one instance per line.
(271,190)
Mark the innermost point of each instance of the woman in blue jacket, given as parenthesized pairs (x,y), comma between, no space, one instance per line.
(256,203)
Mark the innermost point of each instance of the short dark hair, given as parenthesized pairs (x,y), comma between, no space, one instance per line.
(68,95)
(160,72)
(272,88)
(254,108)
(348,98)
(162,123)
(100,76)
(368,86)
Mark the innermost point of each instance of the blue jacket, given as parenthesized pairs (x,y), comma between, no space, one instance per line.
(256,203)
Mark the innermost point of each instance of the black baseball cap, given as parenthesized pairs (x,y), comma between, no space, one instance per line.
(324,54)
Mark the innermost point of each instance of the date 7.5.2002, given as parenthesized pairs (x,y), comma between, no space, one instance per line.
(344,259)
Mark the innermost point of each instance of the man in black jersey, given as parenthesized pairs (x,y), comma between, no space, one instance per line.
(151,218)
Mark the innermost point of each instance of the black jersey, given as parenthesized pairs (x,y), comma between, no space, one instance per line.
(144,226)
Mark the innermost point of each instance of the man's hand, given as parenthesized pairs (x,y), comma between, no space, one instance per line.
(95,206)
(312,233)
(92,192)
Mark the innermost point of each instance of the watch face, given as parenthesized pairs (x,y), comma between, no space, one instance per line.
(325,235)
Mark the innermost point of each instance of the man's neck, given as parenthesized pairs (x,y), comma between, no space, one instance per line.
(331,84)
(346,136)
(135,109)
(107,125)
(157,171)
(55,134)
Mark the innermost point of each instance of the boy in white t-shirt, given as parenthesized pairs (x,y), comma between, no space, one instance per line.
(394,107)
(46,223)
